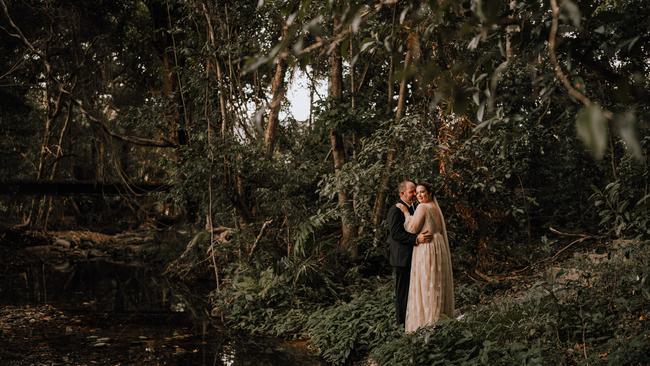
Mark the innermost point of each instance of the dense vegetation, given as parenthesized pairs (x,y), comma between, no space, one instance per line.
(526,115)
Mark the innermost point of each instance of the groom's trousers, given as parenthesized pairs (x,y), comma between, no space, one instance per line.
(402,279)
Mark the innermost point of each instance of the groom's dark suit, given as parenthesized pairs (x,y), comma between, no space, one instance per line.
(401,249)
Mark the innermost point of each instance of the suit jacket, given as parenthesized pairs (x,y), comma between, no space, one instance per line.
(401,241)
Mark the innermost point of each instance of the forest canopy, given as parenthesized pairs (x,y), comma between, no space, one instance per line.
(498,103)
(530,119)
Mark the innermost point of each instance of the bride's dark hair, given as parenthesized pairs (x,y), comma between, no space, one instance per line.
(428,187)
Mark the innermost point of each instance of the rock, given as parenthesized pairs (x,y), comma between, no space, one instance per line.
(92,253)
(623,243)
(559,275)
(597,258)
(86,244)
(63,243)
(39,250)
(62,267)
(592,257)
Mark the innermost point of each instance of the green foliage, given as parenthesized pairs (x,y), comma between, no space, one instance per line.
(272,304)
(306,231)
(349,329)
(592,129)
(618,214)
(612,208)
(623,204)
(483,101)
(591,313)
(276,300)
(585,321)
(498,335)
(255,302)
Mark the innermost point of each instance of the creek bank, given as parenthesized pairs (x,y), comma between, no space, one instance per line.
(80,298)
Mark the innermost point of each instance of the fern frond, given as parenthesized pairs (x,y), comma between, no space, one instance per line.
(309,227)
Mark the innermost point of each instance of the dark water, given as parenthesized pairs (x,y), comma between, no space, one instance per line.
(98,312)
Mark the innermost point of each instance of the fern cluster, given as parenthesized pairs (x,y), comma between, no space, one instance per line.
(598,317)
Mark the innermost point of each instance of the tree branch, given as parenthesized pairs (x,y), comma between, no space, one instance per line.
(552,41)
(141,141)
(19,33)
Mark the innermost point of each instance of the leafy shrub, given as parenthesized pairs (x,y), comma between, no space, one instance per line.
(598,317)
(275,300)
(595,317)
(355,327)
(491,336)
(619,214)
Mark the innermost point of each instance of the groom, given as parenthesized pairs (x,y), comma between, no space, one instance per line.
(401,247)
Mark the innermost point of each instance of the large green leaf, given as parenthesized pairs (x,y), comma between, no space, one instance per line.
(591,126)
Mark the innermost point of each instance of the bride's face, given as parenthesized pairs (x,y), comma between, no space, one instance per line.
(422,194)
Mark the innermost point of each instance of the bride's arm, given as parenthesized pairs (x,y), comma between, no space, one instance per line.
(413,223)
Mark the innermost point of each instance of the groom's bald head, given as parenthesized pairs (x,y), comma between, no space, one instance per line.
(404,185)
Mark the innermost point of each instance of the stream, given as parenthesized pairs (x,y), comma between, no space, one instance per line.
(102,312)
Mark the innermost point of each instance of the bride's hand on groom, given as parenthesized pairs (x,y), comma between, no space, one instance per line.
(402,207)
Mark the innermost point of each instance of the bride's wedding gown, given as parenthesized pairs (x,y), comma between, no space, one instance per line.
(431,290)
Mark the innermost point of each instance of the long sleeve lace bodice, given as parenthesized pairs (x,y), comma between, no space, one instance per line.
(427,217)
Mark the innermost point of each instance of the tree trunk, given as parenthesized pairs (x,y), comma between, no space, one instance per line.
(58,156)
(222,101)
(312,87)
(164,46)
(233,182)
(176,115)
(278,90)
(348,228)
(53,111)
(391,67)
(391,156)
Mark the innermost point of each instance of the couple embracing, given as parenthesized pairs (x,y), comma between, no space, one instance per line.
(419,254)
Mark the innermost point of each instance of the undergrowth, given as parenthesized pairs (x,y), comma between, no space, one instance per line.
(596,316)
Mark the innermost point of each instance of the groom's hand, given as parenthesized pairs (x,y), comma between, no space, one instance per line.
(424,237)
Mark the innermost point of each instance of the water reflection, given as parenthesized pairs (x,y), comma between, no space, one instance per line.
(117,313)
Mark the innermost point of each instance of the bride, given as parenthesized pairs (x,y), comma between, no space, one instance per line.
(431,291)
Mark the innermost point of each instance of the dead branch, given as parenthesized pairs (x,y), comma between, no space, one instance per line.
(494,278)
(19,33)
(555,231)
(259,236)
(569,245)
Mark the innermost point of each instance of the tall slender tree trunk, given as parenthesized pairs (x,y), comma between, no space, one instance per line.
(348,229)
(53,111)
(391,67)
(510,29)
(312,87)
(391,156)
(58,156)
(233,181)
(176,115)
(278,91)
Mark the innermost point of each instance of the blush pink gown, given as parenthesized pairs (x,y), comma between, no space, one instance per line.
(431,290)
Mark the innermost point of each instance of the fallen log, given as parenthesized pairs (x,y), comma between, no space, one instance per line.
(24,187)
